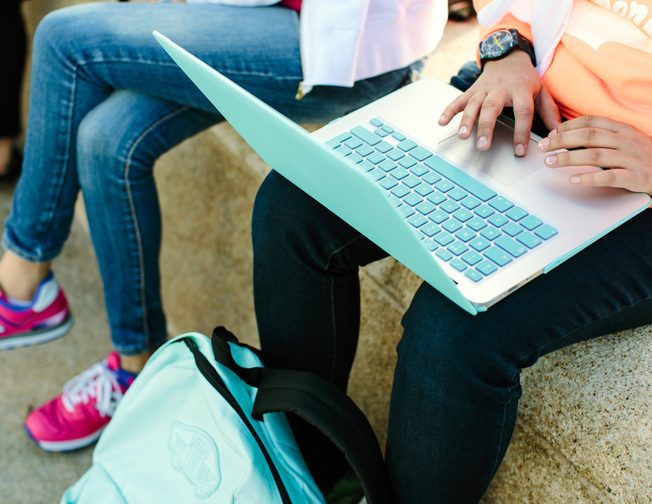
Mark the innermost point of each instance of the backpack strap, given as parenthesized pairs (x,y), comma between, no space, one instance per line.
(322,405)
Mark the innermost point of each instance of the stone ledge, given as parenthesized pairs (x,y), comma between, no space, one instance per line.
(585,426)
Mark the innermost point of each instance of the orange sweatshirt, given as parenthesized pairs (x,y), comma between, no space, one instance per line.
(603,63)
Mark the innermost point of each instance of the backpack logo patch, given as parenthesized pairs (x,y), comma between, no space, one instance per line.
(195,455)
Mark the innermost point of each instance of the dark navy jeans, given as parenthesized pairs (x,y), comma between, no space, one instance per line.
(457,380)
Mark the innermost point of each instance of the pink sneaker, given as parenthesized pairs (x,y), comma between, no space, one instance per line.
(76,418)
(43,319)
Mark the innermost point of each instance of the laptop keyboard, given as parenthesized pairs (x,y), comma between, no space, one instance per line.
(464,222)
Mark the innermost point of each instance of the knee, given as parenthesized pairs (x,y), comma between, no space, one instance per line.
(60,31)
(283,216)
(443,341)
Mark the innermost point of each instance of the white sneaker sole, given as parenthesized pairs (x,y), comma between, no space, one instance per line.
(37,337)
(63,446)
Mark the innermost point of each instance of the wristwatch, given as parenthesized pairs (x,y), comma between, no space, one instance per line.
(500,43)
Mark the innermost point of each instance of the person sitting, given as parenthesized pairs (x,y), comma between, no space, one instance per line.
(456,384)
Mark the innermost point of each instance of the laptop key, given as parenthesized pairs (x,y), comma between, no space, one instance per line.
(444,185)
(381,132)
(470,202)
(424,190)
(457,248)
(516,213)
(473,275)
(438,217)
(512,247)
(531,222)
(417,220)
(386,165)
(444,238)
(425,208)
(400,190)
(501,204)
(420,153)
(465,181)
(465,235)
(412,199)
(412,181)
(450,206)
(398,136)
(388,183)
(430,229)
(437,198)
(431,178)
(342,137)
(395,154)
(355,158)
(375,158)
(376,122)
(353,143)
(479,244)
(366,166)
(431,245)
(457,194)
(471,258)
(490,233)
(476,224)
(407,162)
(452,225)
(486,268)
(546,232)
(444,254)
(400,173)
(512,229)
(383,147)
(407,145)
(419,170)
(366,136)
(343,150)
(528,239)
(462,215)
(498,220)
(500,257)
(364,150)
(458,265)
(484,211)
(388,129)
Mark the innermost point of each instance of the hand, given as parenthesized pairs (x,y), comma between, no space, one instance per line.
(510,81)
(604,143)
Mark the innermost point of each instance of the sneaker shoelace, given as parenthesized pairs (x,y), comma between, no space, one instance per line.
(99,382)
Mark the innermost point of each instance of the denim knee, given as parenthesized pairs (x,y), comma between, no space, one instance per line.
(60,31)
(447,344)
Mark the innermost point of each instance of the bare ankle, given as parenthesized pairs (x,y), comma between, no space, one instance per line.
(20,278)
(134,363)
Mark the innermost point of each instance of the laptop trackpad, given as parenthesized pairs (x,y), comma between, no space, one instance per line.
(499,162)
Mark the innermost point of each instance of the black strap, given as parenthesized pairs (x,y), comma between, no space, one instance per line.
(322,405)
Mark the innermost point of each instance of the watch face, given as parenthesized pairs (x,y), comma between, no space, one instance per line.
(497,44)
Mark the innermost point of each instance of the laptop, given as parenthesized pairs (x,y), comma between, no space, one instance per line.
(476,226)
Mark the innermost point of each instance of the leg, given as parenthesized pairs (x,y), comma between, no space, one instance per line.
(456,385)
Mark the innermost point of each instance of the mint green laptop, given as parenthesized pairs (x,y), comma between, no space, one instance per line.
(474,226)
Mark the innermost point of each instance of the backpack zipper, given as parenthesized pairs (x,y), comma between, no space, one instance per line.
(211,375)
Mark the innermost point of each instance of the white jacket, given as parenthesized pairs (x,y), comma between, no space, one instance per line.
(343,41)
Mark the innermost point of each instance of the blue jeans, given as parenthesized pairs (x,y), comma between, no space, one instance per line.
(107,101)
(457,379)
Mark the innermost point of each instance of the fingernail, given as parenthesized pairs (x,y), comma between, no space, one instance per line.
(442,118)
(551,160)
(543,144)
(520,150)
(463,131)
(553,132)
(574,180)
(482,142)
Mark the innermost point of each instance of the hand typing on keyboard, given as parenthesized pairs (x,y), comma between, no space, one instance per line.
(508,82)
(603,143)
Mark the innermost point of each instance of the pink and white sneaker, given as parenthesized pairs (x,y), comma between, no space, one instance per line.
(76,418)
(44,318)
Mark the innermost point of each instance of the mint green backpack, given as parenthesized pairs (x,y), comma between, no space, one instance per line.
(205,422)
